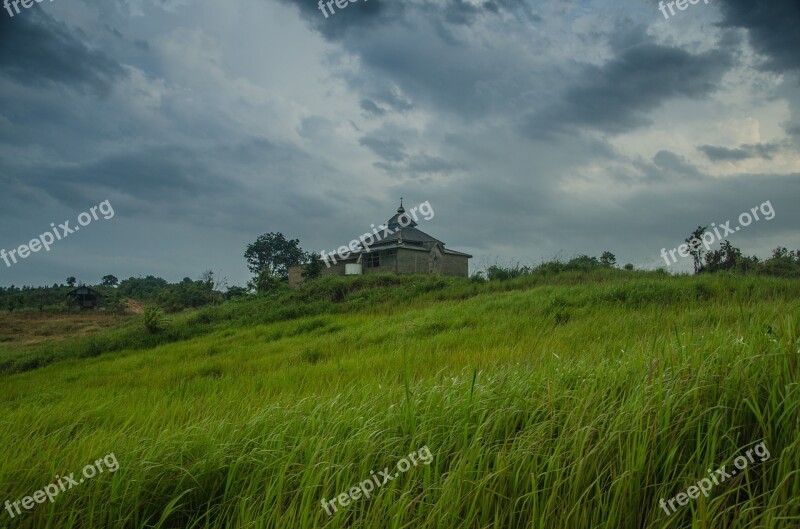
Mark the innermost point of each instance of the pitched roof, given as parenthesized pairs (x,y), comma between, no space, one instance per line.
(403,229)
(83,290)
(407,235)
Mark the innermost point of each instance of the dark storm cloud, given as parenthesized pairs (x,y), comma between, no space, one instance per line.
(744,152)
(421,165)
(520,6)
(370,108)
(159,174)
(463,13)
(665,167)
(167,179)
(390,149)
(315,128)
(396,101)
(360,15)
(436,90)
(366,13)
(37,50)
(673,165)
(426,164)
(617,96)
(421,54)
(773,25)
(460,12)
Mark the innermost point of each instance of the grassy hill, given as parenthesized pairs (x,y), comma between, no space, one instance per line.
(549,401)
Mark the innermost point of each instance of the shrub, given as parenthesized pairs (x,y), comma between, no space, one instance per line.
(504,273)
(154,319)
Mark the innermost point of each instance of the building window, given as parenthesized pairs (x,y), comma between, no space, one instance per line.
(372,260)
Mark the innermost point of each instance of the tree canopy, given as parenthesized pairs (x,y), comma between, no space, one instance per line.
(273,253)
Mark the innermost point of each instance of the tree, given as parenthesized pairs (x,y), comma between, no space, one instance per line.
(109,281)
(313,268)
(235,292)
(782,263)
(263,282)
(142,288)
(780,253)
(273,253)
(71,281)
(695,243)
(726,258)
(583,262)
(212,281)
(608,260)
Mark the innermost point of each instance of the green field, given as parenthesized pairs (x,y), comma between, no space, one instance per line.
(575,400)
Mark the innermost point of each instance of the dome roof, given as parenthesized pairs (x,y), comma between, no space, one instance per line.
(395,223)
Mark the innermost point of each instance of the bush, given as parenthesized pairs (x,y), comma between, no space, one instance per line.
(154,319)
(504,273)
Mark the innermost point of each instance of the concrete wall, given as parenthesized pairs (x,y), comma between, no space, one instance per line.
(404,262)
(388,264)
(296,272)
(295,276)
(455,265)
(412,262)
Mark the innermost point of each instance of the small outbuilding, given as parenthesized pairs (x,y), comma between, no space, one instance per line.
(84,297)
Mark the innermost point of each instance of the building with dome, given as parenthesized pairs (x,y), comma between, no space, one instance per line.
(403,249)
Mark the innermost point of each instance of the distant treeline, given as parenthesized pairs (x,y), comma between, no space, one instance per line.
(185,294)
(782,263)
(207,290)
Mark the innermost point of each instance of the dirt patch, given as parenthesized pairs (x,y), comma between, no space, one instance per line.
(25,330)
(134,307)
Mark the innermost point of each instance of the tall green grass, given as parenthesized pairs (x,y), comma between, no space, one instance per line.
(547,403)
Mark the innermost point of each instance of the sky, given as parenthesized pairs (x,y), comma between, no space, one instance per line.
(535,130)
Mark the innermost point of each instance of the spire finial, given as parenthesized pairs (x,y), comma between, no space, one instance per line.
(401,209)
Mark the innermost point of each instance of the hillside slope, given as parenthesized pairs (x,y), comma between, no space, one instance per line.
(579,400)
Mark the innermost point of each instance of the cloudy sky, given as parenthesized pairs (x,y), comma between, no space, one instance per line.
(534,129)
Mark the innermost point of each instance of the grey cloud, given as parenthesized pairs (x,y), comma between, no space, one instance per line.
(426,164)
(369,107)
(673,165)
(390,149)
(358,16)
(315,128)
(773,27)
(744,152)
(37,49)
(617,96)
(396,101)
(418,166)
(159,174)
(441,85)
(460,12)
(409,57)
